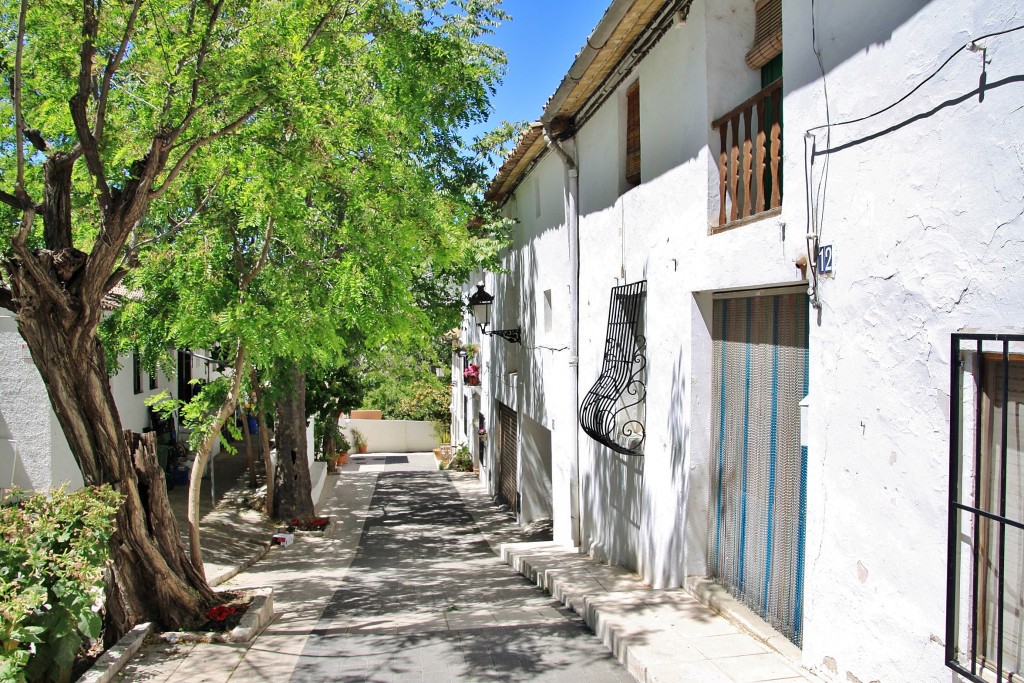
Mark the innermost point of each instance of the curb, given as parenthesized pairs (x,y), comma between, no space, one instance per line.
(256,618)
(644,662)
(241,567)
(110,663)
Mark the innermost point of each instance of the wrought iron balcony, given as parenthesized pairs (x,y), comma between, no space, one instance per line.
(612,412)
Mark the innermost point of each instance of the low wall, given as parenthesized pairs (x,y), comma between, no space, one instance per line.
(394,436)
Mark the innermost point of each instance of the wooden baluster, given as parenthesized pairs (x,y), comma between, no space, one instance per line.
(776,105)
(734,163)
(723,169)
(747,161)
(759,152)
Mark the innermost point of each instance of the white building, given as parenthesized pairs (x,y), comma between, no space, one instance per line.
(889,134)
(34,454)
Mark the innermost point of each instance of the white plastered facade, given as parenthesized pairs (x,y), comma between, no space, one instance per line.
(923,209)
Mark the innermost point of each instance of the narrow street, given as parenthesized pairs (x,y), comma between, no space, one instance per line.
(426,599)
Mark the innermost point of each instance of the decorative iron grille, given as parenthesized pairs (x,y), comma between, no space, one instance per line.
(985,570)
(612,412)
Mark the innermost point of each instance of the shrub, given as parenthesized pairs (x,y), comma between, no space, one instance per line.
(53,550)
(462,460)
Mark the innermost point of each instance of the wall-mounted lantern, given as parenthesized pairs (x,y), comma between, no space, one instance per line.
(480,303)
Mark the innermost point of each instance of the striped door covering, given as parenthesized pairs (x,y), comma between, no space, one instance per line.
(508,455)
(758,468)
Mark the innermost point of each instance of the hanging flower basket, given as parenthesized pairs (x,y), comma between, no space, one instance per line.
(471,375)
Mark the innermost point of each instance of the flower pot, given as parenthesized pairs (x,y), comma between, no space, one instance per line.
(362,449)
(343,458)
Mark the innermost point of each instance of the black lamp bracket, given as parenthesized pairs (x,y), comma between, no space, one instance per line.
(511,336)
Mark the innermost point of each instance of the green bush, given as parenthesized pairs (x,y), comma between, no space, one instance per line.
(53,550)
(462,460)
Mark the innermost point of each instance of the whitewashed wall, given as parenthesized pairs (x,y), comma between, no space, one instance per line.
(32,444)
(395,436)
(925,222)
(926,225)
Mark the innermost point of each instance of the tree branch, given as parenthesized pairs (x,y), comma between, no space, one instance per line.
(112,66)
(132,254)
(79,105)
(19,121)
(262,262)
(202,142)
(15,202)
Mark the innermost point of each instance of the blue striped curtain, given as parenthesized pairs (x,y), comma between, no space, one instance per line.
(758,468)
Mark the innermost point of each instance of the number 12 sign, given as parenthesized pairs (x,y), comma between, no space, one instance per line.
(825,259)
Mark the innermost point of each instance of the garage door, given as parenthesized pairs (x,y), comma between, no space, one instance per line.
(758,468)
(508,463)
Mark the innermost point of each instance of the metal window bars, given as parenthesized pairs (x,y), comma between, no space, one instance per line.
(985,575)
(612,412)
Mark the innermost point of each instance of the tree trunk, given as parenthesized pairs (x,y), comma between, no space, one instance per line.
(153,578)
(249,456)
(330,436)
(268,458)
(195,481)
(293,497)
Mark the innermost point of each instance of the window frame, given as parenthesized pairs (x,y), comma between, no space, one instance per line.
(633,163)
(970,444)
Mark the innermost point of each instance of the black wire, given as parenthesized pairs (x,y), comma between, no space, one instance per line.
(828,127)
(549,348)
(919,85)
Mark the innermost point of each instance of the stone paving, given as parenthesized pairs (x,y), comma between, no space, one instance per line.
(427,600)
(407,585)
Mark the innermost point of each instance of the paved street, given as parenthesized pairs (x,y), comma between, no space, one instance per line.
(426,599)
(407,585)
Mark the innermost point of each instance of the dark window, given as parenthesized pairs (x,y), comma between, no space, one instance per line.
(633,135)
(985,580)
(152,379)
(136,373)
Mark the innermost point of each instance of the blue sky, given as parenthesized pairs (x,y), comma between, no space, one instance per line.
(541,41)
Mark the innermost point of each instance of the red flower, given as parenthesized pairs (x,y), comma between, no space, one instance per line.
(220,613)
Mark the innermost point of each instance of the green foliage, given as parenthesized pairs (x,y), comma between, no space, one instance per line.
(400,379)
(462,460)
(199,415)
(441,431)
(52,556)
(358,438)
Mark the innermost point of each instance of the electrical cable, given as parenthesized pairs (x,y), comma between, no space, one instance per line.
(932,75)
(548,348)
(816,210)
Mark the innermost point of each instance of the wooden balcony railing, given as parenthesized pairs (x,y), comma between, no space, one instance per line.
(749,165)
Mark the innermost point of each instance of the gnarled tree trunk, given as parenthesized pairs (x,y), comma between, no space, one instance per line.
(293,490)
(153,578)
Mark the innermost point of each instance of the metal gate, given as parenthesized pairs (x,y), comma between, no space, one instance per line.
(758,479)
(508,460)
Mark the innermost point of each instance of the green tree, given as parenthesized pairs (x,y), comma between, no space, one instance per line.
(119,118)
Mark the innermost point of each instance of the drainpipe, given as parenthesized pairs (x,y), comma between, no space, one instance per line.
(572,217)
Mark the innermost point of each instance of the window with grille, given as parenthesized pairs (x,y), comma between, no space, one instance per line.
(985,584)
(633,135)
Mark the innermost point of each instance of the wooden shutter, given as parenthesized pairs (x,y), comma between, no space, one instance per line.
(633,134)
(508,460)
(767,33)
(992,480)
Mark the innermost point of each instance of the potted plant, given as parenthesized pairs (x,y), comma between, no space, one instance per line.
(359,441)
(471,375)
(462,460)
(343,447)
